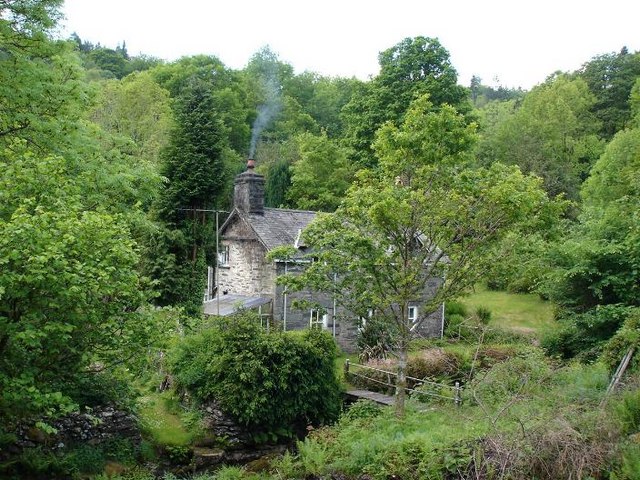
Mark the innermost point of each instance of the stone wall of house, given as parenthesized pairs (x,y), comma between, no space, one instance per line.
(247,272)
(297,318)
(345,330)
(431,326)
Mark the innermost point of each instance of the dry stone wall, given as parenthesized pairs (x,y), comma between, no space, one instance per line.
(93,427)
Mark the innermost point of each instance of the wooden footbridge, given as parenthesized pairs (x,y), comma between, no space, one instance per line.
(376,397)
(421,387)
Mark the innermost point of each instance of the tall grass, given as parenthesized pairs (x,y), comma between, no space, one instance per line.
(524,415)
(162,420)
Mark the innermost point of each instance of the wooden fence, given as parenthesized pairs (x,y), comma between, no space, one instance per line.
(456,390)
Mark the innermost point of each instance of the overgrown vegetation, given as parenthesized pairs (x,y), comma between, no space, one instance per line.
(521,419)
(250,371)
(108,164)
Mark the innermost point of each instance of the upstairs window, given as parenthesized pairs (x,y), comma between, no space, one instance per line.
(223,256)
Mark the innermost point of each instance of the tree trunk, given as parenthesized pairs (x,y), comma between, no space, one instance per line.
(401,382)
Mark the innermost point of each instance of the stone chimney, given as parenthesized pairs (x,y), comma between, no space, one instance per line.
(248,190)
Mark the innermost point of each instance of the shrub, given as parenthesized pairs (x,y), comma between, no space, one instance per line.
(453,325)
(627,337)
(375,339)
(362,409)
(285,466)
(74,461)
(455,308)
(627,411)
(273,382)
(87,459)
(505,335)
(512,377)
(580,384)
(488,356)
(434,363)
(484,315)
(583,335)
(229,473)
(104,388)
(629,466)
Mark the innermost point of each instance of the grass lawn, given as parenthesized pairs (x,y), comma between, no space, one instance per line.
(519,311)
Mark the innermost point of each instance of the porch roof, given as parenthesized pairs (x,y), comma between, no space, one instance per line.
(231,303)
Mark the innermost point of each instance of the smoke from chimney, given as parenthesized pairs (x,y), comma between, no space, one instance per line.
(267,111)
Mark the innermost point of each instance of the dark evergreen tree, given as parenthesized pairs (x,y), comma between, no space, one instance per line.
(277,184)
(610,78)
(196,181)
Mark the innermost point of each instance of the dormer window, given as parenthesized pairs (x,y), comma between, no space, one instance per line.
(299,242)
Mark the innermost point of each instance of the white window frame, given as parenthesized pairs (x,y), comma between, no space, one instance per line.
(224,256)
(412,314)
(318,321)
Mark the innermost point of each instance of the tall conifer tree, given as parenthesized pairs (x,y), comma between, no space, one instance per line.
(196,177)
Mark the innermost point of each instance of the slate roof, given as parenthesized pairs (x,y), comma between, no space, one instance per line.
(276,226)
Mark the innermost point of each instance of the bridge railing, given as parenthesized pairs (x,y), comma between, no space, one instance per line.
(456,389)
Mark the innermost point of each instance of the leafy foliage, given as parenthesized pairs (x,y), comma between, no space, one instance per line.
(584,334)
(321,176)
(553,134)
(422,215)
(598,263)
(626,337)
(248,371)
(610,78)
(41,93)
(412,68)
(138,109)
(70,295)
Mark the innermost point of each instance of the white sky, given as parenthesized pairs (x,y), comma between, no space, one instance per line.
(520,42)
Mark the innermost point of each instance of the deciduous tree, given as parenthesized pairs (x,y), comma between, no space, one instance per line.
(395,232)
(553,135)
(321,176)
(136,108)
(610,78)
(411,68)
(70,290)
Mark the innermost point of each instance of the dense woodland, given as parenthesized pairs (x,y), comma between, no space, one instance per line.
(107,162)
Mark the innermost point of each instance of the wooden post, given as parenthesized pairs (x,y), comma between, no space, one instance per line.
(617,376)
(346,368)
(458,398)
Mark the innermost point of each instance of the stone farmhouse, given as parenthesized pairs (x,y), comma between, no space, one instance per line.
(246,279)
